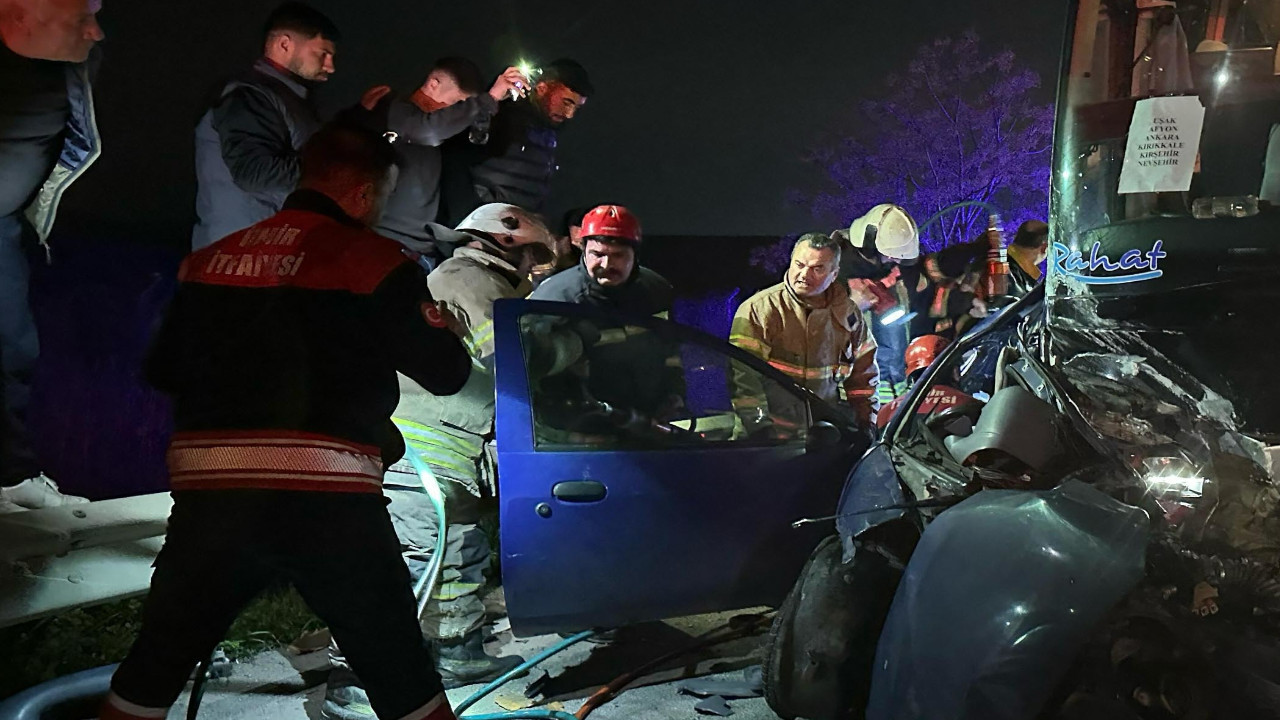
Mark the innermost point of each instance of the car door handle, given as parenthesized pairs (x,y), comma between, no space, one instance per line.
(579,491)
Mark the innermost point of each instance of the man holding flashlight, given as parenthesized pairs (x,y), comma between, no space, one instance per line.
(808,327)
(449,102)
(514,160)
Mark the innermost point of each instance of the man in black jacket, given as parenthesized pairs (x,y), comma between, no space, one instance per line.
(48,138)
(247,143)
(280,351)
(516,164)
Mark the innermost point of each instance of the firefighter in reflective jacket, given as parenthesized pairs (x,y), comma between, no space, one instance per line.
(280,352)
(807,327)
(453,435)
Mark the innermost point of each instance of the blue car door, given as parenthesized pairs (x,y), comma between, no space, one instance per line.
(631,488)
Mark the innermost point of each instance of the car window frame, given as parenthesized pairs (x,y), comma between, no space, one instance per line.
(819,410)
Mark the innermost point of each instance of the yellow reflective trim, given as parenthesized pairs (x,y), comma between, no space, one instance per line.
(428,434)
(480,335)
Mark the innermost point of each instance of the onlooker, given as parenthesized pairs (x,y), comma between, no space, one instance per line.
(247,143)
(48,138)
(517,162)
(448,102)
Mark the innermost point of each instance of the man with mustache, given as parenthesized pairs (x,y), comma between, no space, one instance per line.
(514,160)
(642,372)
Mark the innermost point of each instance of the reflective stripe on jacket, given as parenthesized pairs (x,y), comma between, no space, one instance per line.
(827,350)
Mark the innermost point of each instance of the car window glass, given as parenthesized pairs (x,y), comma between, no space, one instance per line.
(598,383)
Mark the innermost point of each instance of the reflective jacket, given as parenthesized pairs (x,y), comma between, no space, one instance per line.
(955,277)
(450,432)
(280,351)
(827,350)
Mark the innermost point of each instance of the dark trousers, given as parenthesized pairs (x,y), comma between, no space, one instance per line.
(19,348)
(339,550)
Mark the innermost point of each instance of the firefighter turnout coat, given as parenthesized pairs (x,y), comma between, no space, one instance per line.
(450,432)
(828,350)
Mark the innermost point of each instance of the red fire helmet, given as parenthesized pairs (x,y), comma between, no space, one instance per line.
(612,221)
(923,351)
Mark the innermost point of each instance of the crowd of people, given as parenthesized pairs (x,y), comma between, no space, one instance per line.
(395,227)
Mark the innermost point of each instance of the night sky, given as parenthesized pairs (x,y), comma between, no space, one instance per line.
(702,116)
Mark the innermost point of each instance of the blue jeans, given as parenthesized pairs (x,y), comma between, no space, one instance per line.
(891,361)
(19,349)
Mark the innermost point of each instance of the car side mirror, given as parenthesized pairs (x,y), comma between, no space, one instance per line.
(823,435)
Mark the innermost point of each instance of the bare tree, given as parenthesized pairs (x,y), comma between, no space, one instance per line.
(958,125)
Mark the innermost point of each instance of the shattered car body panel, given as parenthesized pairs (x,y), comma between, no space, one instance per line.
(1015,599)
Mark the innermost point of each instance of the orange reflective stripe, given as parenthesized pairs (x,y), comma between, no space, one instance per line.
(275,467)
(117,708)
(939,306)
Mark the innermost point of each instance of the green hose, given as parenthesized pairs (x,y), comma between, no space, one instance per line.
(531,713)
(426,584)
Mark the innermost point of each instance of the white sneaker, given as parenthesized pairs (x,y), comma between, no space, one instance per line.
(37,493)
(7,507)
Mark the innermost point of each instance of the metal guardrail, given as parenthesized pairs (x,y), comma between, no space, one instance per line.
(59,559)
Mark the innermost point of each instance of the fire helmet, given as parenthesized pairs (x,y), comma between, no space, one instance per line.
(505,227)
(613,222)
(889,230)
(922,351)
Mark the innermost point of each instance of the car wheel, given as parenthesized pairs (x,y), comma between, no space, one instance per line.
(820,648)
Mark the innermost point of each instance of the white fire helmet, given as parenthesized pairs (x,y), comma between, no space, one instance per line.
(508,226)
(889,230)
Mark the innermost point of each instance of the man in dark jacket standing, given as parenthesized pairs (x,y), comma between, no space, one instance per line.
(516,164)
(48,138)
(247,143)
(280,351)
(449,102)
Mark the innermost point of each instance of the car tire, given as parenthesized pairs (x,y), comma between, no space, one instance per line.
(822,643)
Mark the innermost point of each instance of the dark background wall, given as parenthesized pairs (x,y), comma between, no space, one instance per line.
(703,113)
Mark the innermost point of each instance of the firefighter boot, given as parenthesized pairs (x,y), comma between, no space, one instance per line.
(464,662)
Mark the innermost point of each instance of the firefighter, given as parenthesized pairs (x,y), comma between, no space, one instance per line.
(808,327)
(920,354)
(280,352)
(454,436)
(956,299)
(626,367)
(881,272)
